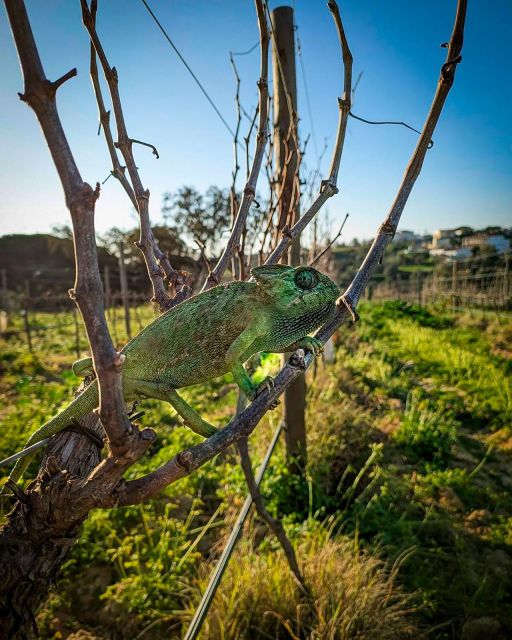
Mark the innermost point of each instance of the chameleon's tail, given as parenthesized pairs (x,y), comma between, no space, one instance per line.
(81,405)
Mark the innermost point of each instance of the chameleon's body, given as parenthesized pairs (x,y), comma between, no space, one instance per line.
(209,335)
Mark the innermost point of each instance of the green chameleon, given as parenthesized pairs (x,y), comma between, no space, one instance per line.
(207,336)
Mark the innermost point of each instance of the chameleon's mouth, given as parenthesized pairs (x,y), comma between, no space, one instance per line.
(309,299)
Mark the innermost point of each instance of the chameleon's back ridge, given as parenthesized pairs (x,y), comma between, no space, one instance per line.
(187,344)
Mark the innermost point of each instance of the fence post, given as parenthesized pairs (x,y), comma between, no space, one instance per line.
(419,286)
(288,193)
(505,282)
(4,299)
(77,333)
(113,311)
(26,318)
(124,290)
(454,283)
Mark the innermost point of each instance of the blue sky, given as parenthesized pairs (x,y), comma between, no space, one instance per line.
(467,176)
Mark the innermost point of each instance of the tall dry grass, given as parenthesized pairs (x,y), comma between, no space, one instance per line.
(353,595)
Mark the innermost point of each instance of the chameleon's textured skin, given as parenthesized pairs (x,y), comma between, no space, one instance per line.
(209,335)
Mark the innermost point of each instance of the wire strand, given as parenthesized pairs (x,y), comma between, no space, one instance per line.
(403,124)
(306,89)
(244,53)
(187,66)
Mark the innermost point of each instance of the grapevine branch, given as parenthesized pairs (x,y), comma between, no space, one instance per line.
(261,141)
(156,261)
(175,278)
(330,243)
(40,94)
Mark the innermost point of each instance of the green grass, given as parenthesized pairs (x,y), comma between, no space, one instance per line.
(403,523)
(438,399)
(415,268)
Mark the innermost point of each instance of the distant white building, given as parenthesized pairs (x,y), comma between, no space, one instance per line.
(483,240)
(462,232)
(443,239)
(454,254)
(405,236)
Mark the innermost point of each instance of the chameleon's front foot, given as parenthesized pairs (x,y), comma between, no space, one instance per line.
(266,385)
(311,344)
(250,390)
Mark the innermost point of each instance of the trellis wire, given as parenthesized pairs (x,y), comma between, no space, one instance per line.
(204,606)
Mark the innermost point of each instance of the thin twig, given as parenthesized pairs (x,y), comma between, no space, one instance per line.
(388,122)
(261,140)
(203,255)
(315,174)
(146,144)
(146,242)
(324,251)
(275,525)
(328,187)
(247,141)
(233,198)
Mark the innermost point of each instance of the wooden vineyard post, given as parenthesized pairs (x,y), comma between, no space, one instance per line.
(288,191)
(124,290)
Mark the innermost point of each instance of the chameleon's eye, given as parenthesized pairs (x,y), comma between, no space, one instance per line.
(306,279)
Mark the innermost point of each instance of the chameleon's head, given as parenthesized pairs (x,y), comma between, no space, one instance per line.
(301,288)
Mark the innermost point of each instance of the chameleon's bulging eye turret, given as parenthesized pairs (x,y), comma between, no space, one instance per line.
(306,279)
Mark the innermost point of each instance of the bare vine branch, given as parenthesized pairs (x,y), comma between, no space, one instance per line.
(118,171)
(146,242)
(331,242)
(328,187)
(275,525)
(261,141)
(175,278)
(233,197)
(39,93)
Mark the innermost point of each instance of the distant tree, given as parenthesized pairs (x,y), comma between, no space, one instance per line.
(198,217)
(62,231)
(166,236)
(493,230)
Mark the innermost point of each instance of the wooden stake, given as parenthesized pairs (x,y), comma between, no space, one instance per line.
(287,165)
(77,332)
(26,318)
(124,290)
